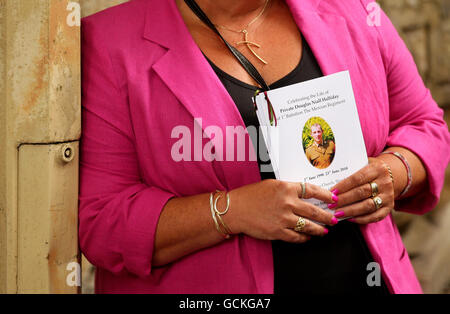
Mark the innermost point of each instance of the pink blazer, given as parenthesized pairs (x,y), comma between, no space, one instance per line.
(143,75)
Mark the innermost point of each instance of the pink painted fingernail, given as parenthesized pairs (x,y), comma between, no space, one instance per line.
(334,221)
(339,214)
(331,206)
(335,198)
(352,220)
(335,191)
(325,231)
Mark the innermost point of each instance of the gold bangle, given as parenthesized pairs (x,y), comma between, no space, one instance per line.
(226,209)
(227,230)
(408,171)
(211,198)
(220,214)
(389,170)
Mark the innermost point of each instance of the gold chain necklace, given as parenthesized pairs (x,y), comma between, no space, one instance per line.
(244,31)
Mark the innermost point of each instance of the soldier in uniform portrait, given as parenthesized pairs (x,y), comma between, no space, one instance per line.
(321,152)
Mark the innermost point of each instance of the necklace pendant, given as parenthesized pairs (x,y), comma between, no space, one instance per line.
(249,45)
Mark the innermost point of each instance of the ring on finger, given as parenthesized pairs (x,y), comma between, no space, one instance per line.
(301,223)
(378,202)
(374,187)
(303,184)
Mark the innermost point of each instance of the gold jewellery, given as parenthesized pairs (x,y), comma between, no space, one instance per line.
(301,223)
(374,188)
(217,215)
(377,201)
(303,184)
(244,31)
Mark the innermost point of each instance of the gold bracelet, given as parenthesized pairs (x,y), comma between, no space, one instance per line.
(389,170)
(213,213)
(220,214)
(408,170)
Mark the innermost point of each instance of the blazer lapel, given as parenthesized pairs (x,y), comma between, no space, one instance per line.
(186,71)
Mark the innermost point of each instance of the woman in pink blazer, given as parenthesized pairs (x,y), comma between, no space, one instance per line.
(153,72)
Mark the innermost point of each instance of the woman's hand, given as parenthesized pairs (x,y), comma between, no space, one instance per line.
(270,209)
(355,194)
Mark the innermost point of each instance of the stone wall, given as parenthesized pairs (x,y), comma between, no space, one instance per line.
(425,27)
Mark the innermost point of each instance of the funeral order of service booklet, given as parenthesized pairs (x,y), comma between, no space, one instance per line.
(312,131)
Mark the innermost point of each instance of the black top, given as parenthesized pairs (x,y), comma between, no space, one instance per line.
(335,263)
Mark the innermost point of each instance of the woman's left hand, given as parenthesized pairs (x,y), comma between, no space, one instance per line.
(355,194)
